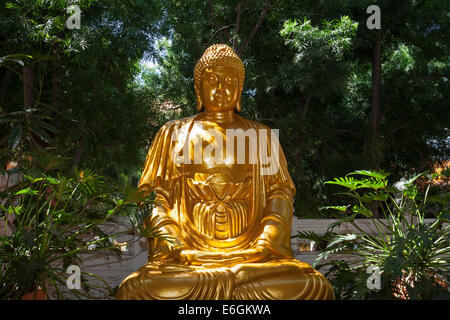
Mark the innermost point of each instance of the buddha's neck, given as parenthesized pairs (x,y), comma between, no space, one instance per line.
(220,117)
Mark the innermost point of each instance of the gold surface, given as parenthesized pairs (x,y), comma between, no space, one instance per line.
(231,221)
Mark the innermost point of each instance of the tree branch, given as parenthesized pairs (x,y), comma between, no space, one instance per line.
(255,28)
(395,130)
(430,78)
(238,21)
(170,106)
(211,8)
(214,18)
(218,30)
(177,107)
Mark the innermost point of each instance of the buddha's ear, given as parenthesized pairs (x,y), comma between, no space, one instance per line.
(238,105)
(199,105)
(199,101)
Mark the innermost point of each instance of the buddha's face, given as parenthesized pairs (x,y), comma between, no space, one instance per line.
(219,88)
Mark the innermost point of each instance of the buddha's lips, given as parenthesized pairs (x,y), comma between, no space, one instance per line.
(219,97)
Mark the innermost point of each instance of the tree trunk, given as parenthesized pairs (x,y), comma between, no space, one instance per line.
(375,116)
(77,155)
(376,99)
(303,107)
(4,87)
(28,87)
(56,87)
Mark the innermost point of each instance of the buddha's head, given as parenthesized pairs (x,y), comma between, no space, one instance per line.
(219,79)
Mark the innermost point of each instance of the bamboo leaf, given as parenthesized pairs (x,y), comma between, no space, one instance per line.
(40,133)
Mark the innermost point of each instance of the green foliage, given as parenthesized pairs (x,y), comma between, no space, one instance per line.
(412,254)
(319,55)
(52,219)
(308,73)
(85,104)
(105,104)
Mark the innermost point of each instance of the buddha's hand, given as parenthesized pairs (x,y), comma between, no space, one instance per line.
(210,258)
(197,257)
(255,254)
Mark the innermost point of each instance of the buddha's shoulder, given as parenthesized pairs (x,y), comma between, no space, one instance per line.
(253,124)
(183,122)
(178,123)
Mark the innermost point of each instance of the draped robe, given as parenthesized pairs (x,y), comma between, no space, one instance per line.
(220,211)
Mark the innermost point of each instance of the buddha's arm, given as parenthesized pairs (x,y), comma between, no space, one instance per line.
(276,224)
(159,175)
(277,220)
(165,249)
(275,235)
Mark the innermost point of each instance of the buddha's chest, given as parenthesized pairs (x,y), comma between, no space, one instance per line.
(219,200)
(214,162)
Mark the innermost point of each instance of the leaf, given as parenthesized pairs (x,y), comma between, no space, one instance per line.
(47,126)
(14,58)
(360,209)
(14,138)
(347,182)
(353,195)
(27,191)
(381,196)
(415,178)
(374,183)
(51,180)
(444,217)
(6,120)
(77,135)
(338,223)
(10,5)
(48,161)
(40,133)
(339,208)
(342,238)
(29,238)
(446,173)
(410,192)
(20,62)
(374,174)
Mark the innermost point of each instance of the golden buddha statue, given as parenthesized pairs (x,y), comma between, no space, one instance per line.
(228,207)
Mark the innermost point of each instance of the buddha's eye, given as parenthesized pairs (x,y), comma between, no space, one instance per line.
(212,79)
(230,80)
